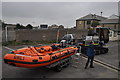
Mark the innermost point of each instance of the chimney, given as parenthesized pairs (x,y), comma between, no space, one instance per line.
(101,13)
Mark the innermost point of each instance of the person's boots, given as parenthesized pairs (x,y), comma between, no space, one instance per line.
(85,67)
(91,66)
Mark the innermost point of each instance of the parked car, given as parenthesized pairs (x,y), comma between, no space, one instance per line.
(69,38)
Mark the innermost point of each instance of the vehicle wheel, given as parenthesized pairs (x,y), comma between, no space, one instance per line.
(58,68)
(97,52)
(106,50)
(102,51)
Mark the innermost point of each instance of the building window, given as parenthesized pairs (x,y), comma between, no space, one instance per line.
(110,34)
(88,22)
(115,26)
(115,34)
(103,25)
(118,32)
(80,22)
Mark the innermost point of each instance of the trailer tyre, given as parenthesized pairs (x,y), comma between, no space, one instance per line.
(68,63)
(58,68)
(106,50)
(66,66)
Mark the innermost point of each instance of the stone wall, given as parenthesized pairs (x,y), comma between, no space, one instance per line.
(46,35)
(40,35)
(11,35)
(111,26)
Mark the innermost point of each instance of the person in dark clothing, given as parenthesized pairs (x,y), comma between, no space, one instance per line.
(54,47)
(90,54)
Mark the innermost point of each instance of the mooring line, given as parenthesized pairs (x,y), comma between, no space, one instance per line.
(8,48)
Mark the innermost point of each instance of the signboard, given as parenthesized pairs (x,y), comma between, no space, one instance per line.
(95,37)
(89,37)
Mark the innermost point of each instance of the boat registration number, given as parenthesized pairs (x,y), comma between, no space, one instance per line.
(19,57)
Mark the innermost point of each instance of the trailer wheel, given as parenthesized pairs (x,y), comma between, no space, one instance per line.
(105,50)
(68,63)
(58,68)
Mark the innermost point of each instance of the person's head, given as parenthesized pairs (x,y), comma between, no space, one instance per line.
(91,42)
(83,42)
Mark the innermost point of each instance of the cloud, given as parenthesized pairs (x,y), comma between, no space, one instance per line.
(54,12)
(0,10)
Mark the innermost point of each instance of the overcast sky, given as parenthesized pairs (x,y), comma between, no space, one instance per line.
(64,13)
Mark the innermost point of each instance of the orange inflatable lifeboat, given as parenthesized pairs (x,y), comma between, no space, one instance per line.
(31,57)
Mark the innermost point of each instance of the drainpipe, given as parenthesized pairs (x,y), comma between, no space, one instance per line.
(84,24)
(6,33)
(58,32)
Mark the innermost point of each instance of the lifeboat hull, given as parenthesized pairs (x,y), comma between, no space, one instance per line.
(28,61)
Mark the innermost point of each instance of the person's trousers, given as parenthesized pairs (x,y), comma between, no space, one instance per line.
(90,60)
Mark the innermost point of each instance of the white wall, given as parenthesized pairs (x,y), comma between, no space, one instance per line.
(114,35)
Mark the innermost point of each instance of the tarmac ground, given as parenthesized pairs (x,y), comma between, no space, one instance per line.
(99,71)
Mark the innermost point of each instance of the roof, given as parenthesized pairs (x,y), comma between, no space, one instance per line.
(114,17)
(11,24)
(109,21)
(91,17)
(115,30)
